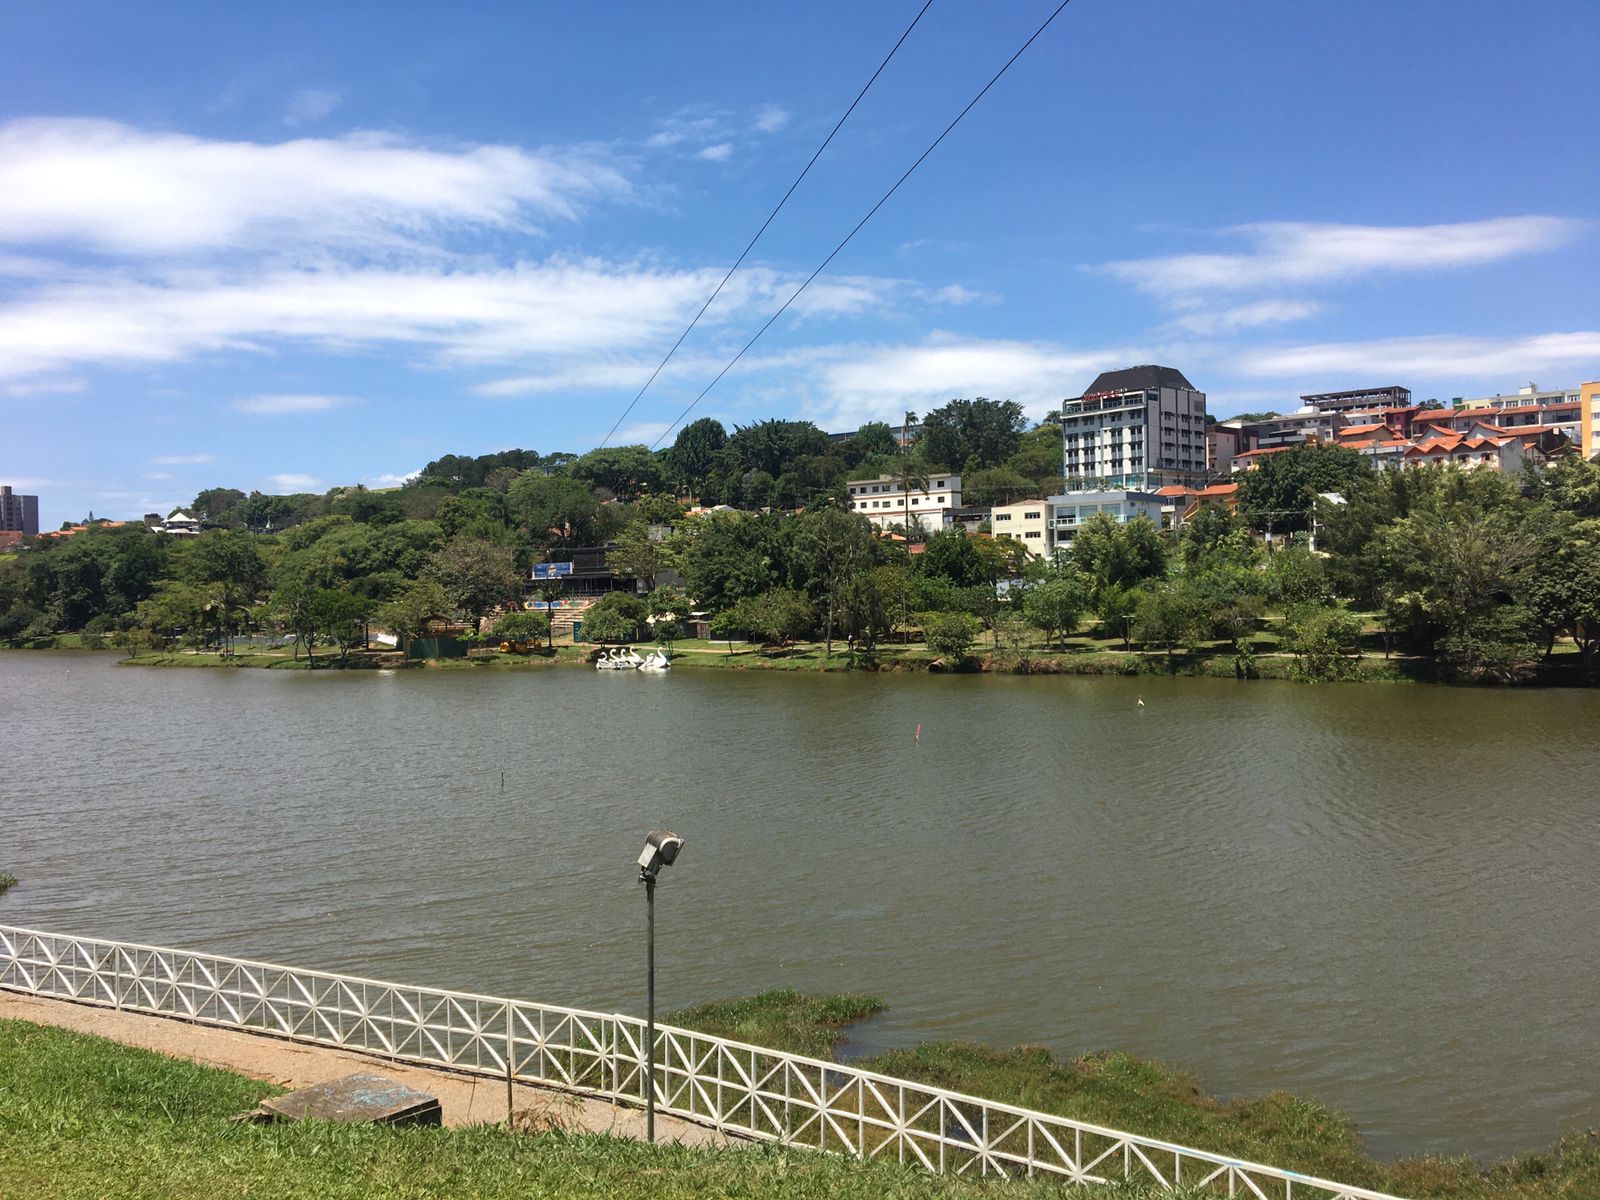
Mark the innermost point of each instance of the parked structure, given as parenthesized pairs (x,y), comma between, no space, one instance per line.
(888,504)
(18,513)
(1138,428)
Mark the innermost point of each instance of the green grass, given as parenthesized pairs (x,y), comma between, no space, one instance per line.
(782,1020)
(1123,1092)
(82,1117)
(7,882)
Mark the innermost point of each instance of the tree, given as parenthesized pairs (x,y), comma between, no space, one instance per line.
(605,625)
(970,435)
(1563,593)
(408,610)
(694,454)
(624,471)
(1122,554)
(666,631)
(780,615)
(1116,607)
(638,554)
(951,634)
(875,439)
(1057,605)
(950,554)
(1325,641)
(478,576)
(997,485)
(830,547)
(1278,493)
(726,557)
(771,446)
(1168,615)
(554,509)
(521,627)
(341,616)
(216,506)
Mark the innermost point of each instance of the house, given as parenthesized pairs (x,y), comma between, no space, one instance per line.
(926,504)
(180,524)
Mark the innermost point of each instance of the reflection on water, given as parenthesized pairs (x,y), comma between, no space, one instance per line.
(1381,895)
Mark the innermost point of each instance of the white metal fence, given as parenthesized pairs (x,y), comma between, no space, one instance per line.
(740,1089)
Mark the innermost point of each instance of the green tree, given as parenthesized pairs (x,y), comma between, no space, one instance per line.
(693,456)
(1057,605)
(625,471)
(478,576)
(1325,641)
(1168,615)
(951,635)
(830,548)
(1277,495)
(518,627)
(607,625)
(554,509)
(726,557)
(997,485)
(970,435)
(638,554)
(408,610)
(1123,554)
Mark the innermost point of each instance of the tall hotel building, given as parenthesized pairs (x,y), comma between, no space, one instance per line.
(1138,429)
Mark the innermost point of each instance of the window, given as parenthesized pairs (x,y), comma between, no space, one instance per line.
(1033,516)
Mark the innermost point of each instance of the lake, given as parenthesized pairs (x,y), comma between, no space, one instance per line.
(1382,895)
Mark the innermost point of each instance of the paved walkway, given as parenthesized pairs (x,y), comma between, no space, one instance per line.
(465,1099)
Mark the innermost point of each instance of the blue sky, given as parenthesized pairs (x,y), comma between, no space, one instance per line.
(286,247)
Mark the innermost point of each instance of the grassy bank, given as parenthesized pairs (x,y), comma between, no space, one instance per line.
(83,1117)
(7,882)
(1149,1098)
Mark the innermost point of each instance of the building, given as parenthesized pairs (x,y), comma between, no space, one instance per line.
(1070,512)
(1529,394)
(888,504)
(18,513)
(1180,504)
(1223,441)
(1482,447)
(1360,399)
(1026,521)
(1139,428)
(1589,413)
(180,524)
(1292,429)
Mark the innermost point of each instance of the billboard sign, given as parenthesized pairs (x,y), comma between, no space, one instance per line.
(551,570)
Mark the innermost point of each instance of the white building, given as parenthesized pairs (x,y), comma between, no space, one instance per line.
(888,505)
(1070,512)
(1140,428)
(1026,521)
(180,524)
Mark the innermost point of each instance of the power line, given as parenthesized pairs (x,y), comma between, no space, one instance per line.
(870,213)
(770,216)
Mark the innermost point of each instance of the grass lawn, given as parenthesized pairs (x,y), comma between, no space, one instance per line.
(82,1117)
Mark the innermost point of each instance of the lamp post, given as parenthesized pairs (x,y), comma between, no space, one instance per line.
(661,848)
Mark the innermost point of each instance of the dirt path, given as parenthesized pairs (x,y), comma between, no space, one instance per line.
(466,1099)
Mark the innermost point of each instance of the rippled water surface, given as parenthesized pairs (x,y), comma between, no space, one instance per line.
(1382,895)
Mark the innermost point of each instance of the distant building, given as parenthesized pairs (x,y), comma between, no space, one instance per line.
(1589,412)
(18,513)
(1026,521)
(1223,441)
(1359,399)
(888,505)
(1139,428)
(180,524)
(1529,394)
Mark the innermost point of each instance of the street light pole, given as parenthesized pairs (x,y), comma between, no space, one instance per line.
(650,1010)
(661,849)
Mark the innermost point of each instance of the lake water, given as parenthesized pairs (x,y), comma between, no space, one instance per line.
(1381,895)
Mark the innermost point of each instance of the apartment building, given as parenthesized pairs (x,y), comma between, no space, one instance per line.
(1140,428)
(18,513)
(1589,418)
(1071,511)
(889,505)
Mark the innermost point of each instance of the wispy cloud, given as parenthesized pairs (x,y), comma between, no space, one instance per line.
(278,405)
(44,387)
(1288,253)
(771,118)
(721,152)
(1459,359)
(123,190)
(391,479)
(956,294)
(1209,321)
(182,460)
(159,475)
(310,105)
(288,481)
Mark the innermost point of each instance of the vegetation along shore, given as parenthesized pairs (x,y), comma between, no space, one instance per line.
(90,1115)
(1326,569)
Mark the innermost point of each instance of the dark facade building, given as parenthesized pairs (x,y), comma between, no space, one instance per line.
(18,514)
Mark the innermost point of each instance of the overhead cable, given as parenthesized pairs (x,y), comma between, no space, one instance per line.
(770,216)
(884,199)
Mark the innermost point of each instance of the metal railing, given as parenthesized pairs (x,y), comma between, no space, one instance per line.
(736,1088)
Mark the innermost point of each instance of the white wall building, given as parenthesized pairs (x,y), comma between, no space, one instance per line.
(1070,512)
(1026,521)
(888,505)
(1141,428)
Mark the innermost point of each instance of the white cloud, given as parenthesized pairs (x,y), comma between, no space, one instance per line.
(290,482)
(44,387)
(880,382)
(493,315)
(182,460)
(721,152)
(394,479)
(1457,359)
(124,190)
(310,105)
(159,475)
(1297,253)
(277,405)
(955,294)
(1208,321)
(771,118)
